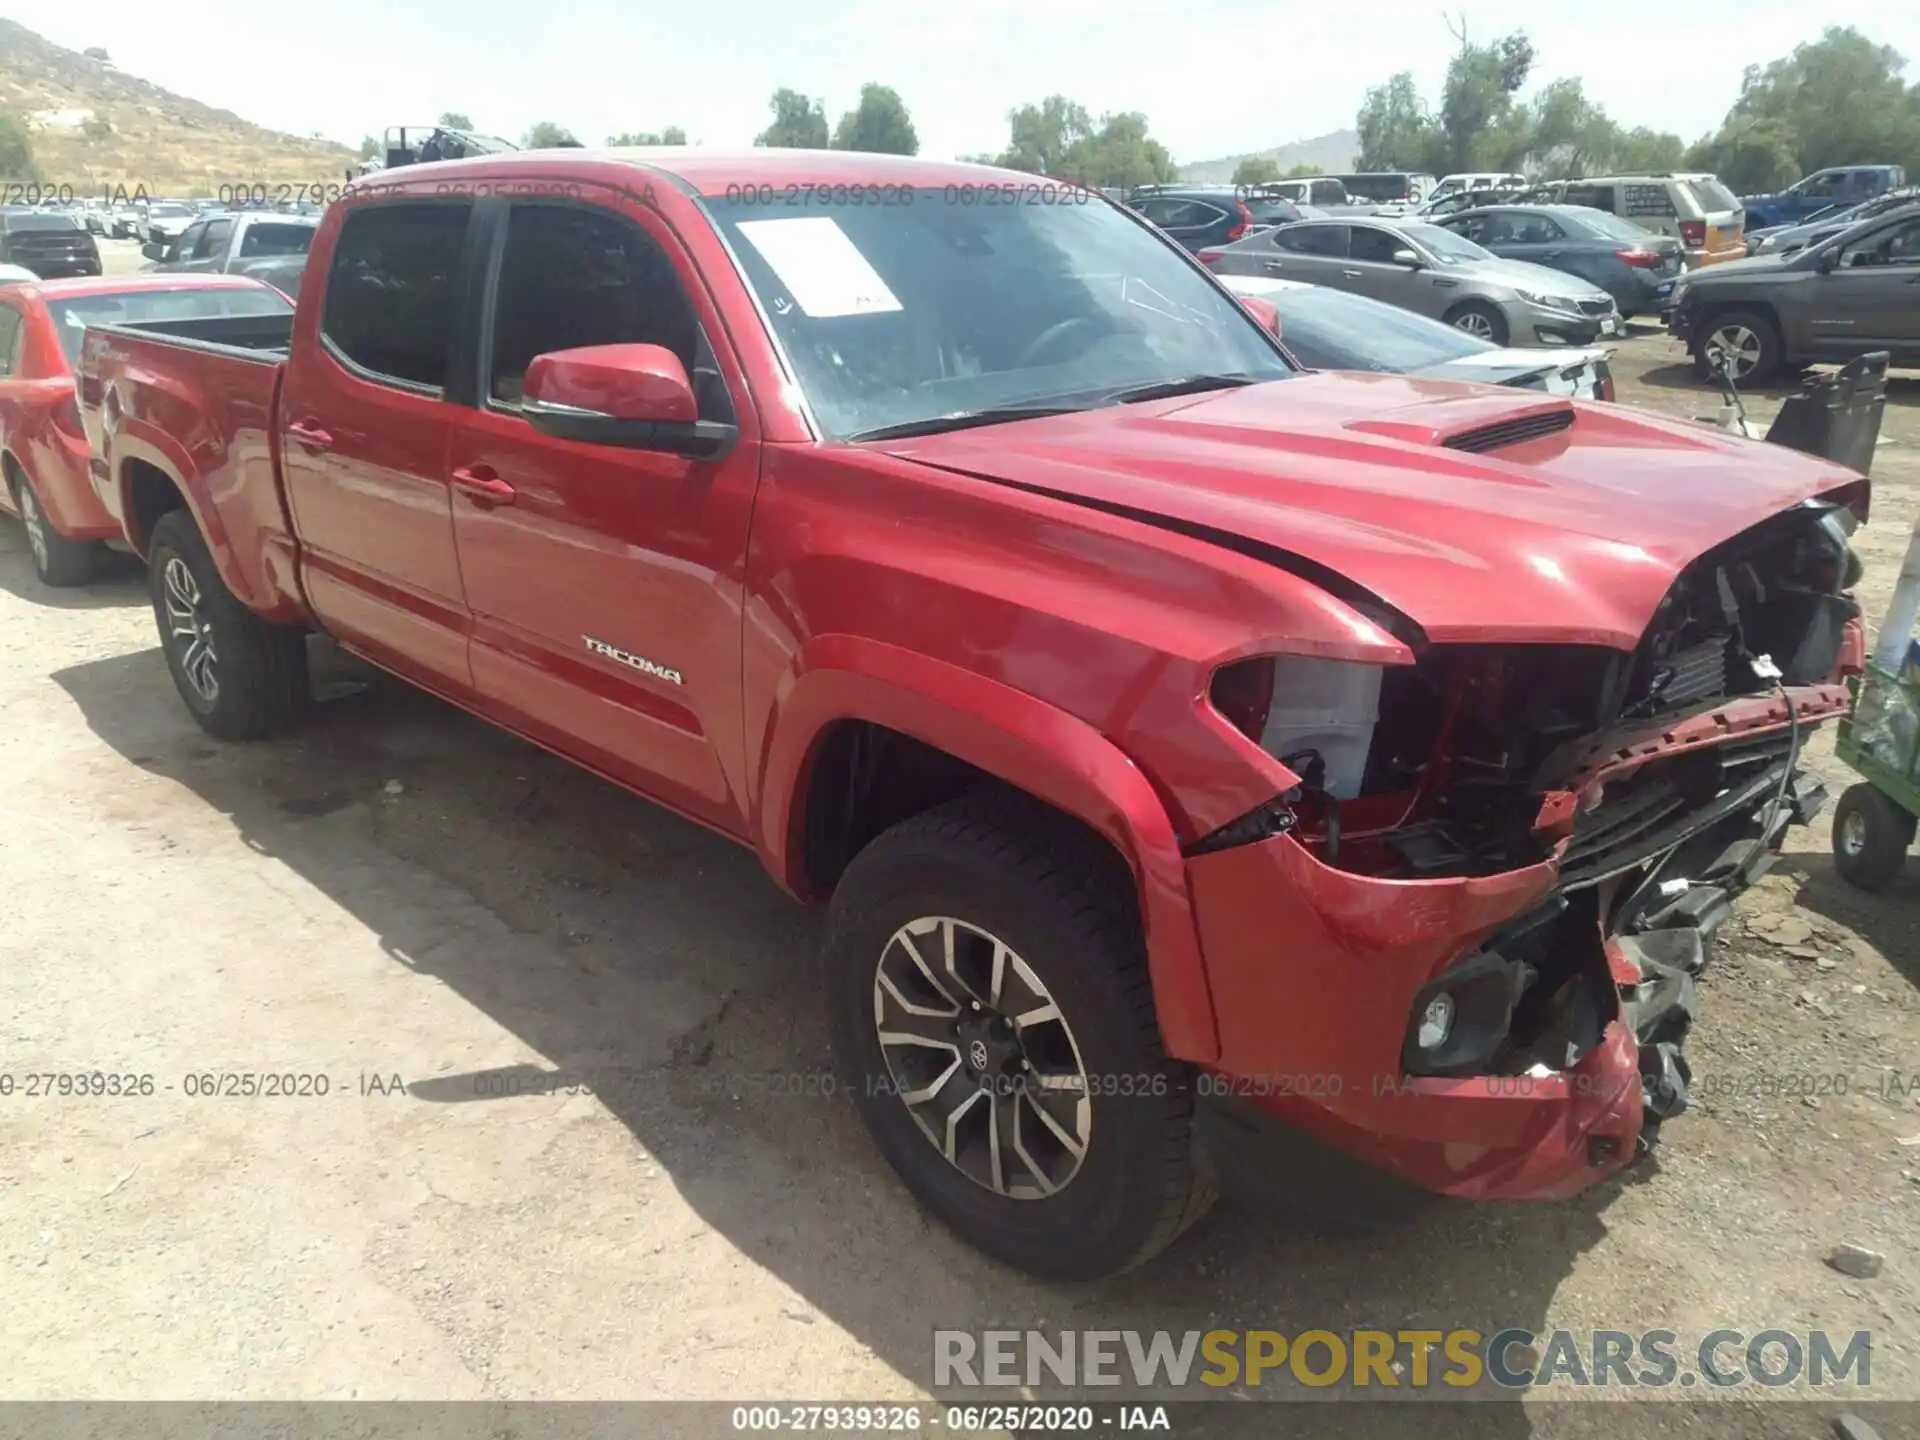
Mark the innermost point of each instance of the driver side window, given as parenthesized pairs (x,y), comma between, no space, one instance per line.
(1897,245)
(573,277)
(182,249)
(1376,247)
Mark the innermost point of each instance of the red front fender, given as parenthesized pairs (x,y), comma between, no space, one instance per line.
(1022,740)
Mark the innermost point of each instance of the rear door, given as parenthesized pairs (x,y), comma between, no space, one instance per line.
(365,419)
(1315,253)
(605,581)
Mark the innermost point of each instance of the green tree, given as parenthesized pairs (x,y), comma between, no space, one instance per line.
(1570,135)
(1838,100)
(1644,149)
(1256,170)
(1396,130)
(879,124)
(545,135)
(1044,138)
(16,150)
(1058,138)
(1481,125)
(370,147)
(454,120)
(798,123)
(1304,172)
(672,135)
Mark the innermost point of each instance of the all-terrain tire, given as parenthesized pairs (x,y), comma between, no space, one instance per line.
(1062,902)
(258,670)
(58,561)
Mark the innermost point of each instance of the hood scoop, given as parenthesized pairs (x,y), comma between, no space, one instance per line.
(1478,422)
(1511,432)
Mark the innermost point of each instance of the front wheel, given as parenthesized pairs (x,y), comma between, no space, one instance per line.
(242,678)
(58,561)
(1870,837)
(1739,343)
(991,1010)
(1480,320)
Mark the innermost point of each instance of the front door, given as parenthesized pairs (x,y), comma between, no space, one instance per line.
(606,582)
(1871,298)
(1371,269)
(365,422)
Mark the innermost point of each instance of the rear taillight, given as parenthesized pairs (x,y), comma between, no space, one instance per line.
(1639,259)
(1693,232)
(1241,225)
(1207,257)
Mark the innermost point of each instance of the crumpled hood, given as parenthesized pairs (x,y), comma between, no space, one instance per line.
(1573,537)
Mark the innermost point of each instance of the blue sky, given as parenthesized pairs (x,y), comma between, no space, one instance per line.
(1213,76)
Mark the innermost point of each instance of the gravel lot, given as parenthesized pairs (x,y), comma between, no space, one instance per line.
(443,923)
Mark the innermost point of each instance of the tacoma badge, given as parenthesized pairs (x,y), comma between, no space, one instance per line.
(627,657)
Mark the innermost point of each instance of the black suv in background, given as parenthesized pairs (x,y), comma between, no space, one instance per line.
(1197,216)
(50,243)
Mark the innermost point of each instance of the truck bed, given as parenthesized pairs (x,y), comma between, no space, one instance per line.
(256,337)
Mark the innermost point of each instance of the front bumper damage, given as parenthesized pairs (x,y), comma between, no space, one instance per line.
(1575,974)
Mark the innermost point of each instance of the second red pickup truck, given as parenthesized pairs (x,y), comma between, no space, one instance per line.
(1213,768)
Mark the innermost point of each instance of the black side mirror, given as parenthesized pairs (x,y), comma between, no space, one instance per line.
(1826,261)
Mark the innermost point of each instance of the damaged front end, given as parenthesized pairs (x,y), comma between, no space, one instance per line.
(1513,859)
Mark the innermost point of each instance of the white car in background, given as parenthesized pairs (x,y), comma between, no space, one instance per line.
(165,220)
(1328,329)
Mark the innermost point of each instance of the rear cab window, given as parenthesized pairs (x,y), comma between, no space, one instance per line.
(393,290)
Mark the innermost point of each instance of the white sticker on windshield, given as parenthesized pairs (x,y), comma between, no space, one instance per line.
(821,268)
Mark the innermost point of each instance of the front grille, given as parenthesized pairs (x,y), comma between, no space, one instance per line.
(1596,307)
(1511,432)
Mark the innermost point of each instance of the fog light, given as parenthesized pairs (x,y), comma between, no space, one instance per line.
(1436,1023)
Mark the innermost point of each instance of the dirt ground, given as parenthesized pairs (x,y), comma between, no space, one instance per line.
(447,925)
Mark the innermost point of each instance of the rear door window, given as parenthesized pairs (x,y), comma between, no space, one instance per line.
(1596,197)
(393,289)
(1312,239)
(1712,196)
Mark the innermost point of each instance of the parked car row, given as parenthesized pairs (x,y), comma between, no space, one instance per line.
(1434,272)
(1849,294)
(1000,578)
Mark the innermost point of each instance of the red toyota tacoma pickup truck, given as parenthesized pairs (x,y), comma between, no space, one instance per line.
(1215,771)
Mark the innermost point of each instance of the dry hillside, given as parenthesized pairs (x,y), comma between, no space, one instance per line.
(92,125)
(1333,153)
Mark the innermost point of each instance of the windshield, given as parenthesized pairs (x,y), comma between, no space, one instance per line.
(71,317)
(167,210)
(1332,330)
(1444,245)
(905,313)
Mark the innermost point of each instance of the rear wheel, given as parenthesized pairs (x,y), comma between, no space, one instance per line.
(57,560)
(1480,320)
(1870,837)
(1738,342)
(993,1018)
(242,678)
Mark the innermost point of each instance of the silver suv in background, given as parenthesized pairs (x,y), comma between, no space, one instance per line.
(1694,208)
(1432,272)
